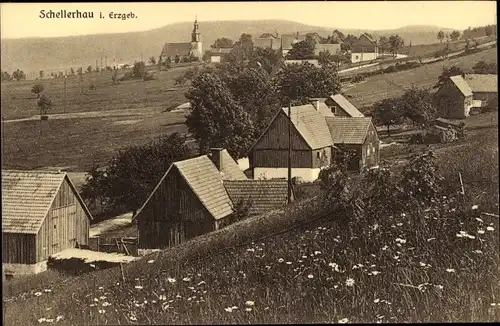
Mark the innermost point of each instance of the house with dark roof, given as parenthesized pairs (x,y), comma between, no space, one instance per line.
(454,98)
(314,143)
(365,48)
(218,54)
(171,51)
(42,214)
(341,107)
(201,195)
(484,88)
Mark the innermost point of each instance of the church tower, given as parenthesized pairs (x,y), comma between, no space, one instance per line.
(196,46)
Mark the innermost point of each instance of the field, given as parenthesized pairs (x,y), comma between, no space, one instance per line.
(93,125)
(376,88)
(428,50)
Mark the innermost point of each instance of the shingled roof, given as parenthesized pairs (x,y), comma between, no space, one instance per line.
(173,49)
(264,195)
(487,83)
(27,197)
(461,84)
(311,125)
(345,105)
(229,169)
(345,130)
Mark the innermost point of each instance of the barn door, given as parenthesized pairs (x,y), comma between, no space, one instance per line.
(56,246)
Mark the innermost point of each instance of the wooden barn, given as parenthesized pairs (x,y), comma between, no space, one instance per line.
(358,136)
(454,99)
(365,48)
(191,199)
(341,107)
(484,89)
(311,145)
(42,214)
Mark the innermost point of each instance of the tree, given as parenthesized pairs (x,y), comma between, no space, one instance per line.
(139,69)
(72,72)
(266,58)
(455,35)
(96,187)
(246,44)
(79,71)
(383,44)
(40,73)
(18,75)
(242,50)
(447,73)
(114,77)
(395,43)
(325,59)
(89,69)
(5,76)
(37,89)
(222,42)
(417,104)
(216,119)
(133,173)
(206,56)
(489,30)
(483,67)
(152,60)
(177,58)
(44,103)
(387,112)
(61,74)
(301,50)
(336,193)
(296,83)
(348,42)
(440,36)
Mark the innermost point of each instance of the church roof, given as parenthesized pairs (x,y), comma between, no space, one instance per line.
(173,49)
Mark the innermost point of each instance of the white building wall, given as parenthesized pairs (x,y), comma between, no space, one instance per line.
(215,58)
(359,57)
(304,174)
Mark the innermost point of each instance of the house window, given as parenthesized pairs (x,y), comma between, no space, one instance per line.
(318,154)
(368,150)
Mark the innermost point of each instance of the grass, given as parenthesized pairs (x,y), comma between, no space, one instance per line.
(428,50)
(376,88)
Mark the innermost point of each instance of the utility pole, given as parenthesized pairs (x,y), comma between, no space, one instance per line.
(289,197)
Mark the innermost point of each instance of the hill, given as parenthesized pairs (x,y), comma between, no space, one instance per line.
(60,53)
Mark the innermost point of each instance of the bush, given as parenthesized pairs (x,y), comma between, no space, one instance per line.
(358,78)
(148,77)
(139,69)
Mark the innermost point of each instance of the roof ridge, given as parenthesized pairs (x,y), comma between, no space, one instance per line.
(35,171)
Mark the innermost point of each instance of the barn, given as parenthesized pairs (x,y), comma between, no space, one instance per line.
(365,48)
(484,89)
(454,98)
(341,107)
(42,214)
(192,199)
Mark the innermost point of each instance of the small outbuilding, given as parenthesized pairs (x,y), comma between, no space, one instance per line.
(42,214)
(454,99)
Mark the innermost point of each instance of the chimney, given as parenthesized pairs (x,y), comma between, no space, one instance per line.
(216,157)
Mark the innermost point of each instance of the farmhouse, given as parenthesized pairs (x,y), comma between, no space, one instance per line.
(184,50)
(341,107)
(454,98)
(200,195)
(484,88)
(316,138)
(364,49)
(268,40)
(217,55)
(42,214)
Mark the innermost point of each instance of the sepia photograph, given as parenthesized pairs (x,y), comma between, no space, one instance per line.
(276,162)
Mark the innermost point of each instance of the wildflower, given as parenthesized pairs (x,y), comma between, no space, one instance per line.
(268,267)
(305,257)
(477,251)
(248,309)
(106,304)
(151,261)
(47,290)
(490,228)
(186,279)
(439,286)
(96,300)
(430,239)
(343,321)
(201,283)
(349,282)
(480,231)
(317,252)
(479,220)
(37,294)
(470,236)
(100,288)
(380,316)
(375,272)
(450,270)
(376,301)
(102,298)
(422,264)
(474,207)
(493,304)
(235,307)
(41,320)
(396,257)
(138,287)
(102,311)
(399,224)
(58,318)
(92,265)
(251,250)
(310,276)
(171,280)
(228,309)
(163,297)
(288,262)
(281,260)
(133,318)
(266,308)
(384,248)
(334,266)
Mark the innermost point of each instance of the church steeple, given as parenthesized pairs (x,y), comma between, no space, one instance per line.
(195,35)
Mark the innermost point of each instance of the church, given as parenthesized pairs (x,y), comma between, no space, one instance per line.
(184,50)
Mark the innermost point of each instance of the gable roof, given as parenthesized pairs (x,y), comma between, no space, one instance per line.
(369,38)
(265,195)
(219,51)
(269,35)
(27,197)
(462,85)
(482,82)
(172,49)
(229,169)
(311,125)
(345,105)
(345,130)
(323,108)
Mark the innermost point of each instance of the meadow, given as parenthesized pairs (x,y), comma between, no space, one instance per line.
(376,88)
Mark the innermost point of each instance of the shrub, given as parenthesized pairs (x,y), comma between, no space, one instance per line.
(358,78)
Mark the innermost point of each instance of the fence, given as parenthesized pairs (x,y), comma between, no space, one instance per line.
(123,245)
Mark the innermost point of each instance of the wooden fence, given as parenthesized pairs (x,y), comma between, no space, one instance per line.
(123,245)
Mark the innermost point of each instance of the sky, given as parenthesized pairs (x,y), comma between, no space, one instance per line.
(20,20)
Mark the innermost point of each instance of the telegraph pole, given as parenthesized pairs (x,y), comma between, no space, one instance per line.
(289,197)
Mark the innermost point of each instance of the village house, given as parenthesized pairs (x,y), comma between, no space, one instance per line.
(317,137)
(218,54)
(42,214)
(333,49)
(268,40)
(341,107)
(454,98)
(201,195)
(184,50)
(365,48)
(484,89)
